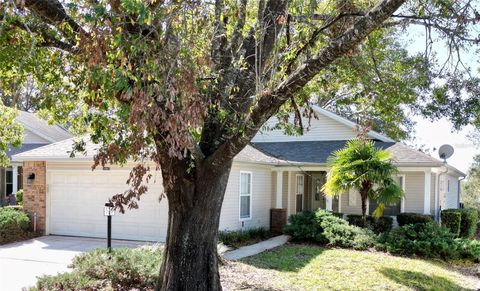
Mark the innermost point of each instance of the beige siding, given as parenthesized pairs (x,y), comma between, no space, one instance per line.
(414,191)
(347,206)
(323,128)
(30,137)
(274,190)
(261,198)
(432,194)
(451,193)
(285,189)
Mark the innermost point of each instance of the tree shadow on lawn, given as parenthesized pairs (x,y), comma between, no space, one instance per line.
(287,258)
(420,281)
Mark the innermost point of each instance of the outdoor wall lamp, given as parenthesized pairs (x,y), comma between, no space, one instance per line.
(31,178)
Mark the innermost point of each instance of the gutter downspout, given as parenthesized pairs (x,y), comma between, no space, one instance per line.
(437,195)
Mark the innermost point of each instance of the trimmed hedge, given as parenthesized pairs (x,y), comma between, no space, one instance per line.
(13,225)
(240,238)
(468,225)
(405,218)
(380,225)
(468,221)
(451,219)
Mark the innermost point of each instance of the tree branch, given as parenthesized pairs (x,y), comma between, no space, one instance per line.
(268,104)
(54,13)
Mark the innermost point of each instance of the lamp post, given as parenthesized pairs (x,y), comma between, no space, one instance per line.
(109,211)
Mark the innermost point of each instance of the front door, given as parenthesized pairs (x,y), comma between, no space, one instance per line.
(318,198)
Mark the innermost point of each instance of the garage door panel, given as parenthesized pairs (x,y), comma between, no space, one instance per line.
(77,199)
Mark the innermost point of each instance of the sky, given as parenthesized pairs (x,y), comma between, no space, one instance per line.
(434,134)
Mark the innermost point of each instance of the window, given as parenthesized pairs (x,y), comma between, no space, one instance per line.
(448,186)
(392,209)
(9,181)
(299,193)
(245,195)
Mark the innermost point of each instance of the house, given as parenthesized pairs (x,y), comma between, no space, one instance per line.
(277,175)
(37,134)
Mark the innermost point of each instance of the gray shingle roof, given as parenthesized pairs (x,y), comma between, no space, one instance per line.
(60,151)
(51,132)
(25,147)
(317,152)
(272,153)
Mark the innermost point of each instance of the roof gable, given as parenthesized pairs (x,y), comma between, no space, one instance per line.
(39,130)
(327,126)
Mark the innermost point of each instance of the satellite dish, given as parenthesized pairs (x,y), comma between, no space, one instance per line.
(445,151)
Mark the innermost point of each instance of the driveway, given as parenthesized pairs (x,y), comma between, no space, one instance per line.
(22,262)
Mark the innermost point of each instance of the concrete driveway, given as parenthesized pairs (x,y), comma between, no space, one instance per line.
(22,262)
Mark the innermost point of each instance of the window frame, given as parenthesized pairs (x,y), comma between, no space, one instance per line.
(297,194)
(240,195)
(8,169)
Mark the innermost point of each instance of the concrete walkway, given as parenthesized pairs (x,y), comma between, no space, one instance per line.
(22,262)
(257,248)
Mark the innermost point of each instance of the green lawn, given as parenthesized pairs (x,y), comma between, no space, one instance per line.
(290,267)
(310,267)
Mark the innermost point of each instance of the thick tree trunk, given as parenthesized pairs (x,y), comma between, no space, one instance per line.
(190,256)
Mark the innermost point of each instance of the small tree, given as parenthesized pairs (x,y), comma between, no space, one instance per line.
(362,167)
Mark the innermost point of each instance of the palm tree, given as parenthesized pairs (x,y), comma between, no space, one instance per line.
(362,167)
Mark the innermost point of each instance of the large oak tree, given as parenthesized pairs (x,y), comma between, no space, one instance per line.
(187,84)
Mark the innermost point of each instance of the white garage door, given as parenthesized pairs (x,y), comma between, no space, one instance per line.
(75,202)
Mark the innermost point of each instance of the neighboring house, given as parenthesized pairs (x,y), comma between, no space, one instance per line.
(37,134)
(274,176)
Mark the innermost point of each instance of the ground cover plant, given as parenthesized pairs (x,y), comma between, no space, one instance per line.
(14,224)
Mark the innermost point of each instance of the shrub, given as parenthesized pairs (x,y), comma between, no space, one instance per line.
(243,237)
(451,219)
(324,227)
(426,240)
(469,249)
(380,225)
(338,214)
(129,269)
(19,197)
(468,224)
(13,225)
(303,227)
(412,218)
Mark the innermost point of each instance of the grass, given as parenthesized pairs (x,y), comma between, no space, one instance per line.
(290,267)
(311,267)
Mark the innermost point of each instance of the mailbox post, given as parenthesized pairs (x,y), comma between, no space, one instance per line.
(109,211)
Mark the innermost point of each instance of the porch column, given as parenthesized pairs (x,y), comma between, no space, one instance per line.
(278,196)
(328,204)
(427,192)
(14,179)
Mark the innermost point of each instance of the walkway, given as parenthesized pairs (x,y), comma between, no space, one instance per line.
(257,248)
